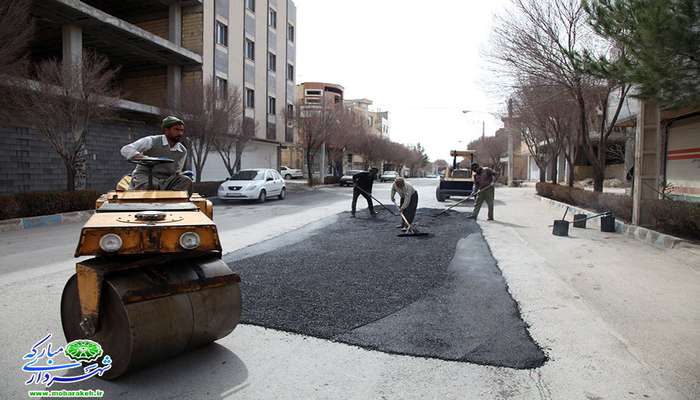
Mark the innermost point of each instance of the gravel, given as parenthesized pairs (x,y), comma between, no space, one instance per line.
(355,281)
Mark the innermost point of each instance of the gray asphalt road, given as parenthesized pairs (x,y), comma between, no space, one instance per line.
(355,281)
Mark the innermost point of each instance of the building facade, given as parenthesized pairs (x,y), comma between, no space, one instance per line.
(159,47)
(251,45)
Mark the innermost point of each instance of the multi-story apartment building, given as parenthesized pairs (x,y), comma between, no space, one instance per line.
(251,44)
(160,46)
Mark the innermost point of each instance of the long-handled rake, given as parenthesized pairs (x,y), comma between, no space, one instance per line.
(461,201)
(375,199)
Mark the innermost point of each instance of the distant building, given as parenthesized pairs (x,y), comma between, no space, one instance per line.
(378,122)
(310,96)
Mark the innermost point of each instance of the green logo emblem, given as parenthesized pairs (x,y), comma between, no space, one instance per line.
(83,350)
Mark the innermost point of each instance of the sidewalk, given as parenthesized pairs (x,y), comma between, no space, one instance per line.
(619,312)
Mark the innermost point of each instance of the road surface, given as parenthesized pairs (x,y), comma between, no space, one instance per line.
(618,319)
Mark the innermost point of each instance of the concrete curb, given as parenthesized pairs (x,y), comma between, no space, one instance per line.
(654,238)
(19,224)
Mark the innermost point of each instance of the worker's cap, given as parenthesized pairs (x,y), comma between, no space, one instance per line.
(171,121)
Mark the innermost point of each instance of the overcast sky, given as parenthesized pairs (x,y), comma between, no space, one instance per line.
(420,60)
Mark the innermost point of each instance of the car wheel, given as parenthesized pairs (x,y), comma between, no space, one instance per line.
(262,196)
(439,196)
(283,194)
(288,177)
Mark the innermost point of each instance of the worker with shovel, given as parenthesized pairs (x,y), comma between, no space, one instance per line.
(408,198)
(484,179)
(363,187)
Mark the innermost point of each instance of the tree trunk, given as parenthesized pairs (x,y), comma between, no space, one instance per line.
(310,167)
(598,178)
(543,174)
(70,178)
(555,169)
(197,173)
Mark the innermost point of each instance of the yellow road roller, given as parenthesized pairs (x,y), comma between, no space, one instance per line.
(156,285)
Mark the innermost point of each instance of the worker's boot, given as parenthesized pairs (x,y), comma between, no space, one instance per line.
(352,214)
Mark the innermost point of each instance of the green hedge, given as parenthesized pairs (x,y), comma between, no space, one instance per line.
(32,204)
(206,189)
(680,218)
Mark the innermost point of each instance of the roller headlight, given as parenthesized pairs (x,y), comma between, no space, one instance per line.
(110,243)
(189,240)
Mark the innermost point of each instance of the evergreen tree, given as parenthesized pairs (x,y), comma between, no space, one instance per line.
(657,47)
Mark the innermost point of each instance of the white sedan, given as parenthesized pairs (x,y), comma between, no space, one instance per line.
(253,184)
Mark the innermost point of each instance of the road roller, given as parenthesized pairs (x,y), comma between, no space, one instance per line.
(156,285)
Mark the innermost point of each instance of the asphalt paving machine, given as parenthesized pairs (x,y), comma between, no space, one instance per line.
(458,179)
(156,285)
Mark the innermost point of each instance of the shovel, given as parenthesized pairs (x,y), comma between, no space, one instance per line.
(410,231)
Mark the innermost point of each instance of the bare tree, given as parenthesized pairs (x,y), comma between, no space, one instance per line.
(235,130)
(16,32)
(62,101)
(343,138)
(541,40)
(489,151)
(546,116)
(316,125)
(204,110)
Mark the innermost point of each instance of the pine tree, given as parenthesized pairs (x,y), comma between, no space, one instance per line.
(657,47)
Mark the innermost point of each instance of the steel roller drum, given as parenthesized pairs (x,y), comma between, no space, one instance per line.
(137,330)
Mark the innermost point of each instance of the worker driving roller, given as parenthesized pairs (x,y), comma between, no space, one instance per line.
(363,187)
(166,176)
(408,200)
(484,179)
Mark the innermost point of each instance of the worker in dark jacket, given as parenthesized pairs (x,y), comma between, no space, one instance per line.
(484,180)
(363,187)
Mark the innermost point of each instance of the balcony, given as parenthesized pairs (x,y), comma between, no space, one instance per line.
(124,43)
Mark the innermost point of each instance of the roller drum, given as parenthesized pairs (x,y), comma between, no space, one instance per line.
(143,321)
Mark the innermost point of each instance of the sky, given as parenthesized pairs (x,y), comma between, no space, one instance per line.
(423,61)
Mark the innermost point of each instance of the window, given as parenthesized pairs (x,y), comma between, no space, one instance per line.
(271,105)
(290,72)
(271,62)
(272,19)
(221,33)
(250,4)
(221,88)
(250,49)
(290,110)
(290,32)
(249,98)
(313,92)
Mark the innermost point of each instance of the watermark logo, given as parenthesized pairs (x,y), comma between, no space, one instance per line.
(65,364)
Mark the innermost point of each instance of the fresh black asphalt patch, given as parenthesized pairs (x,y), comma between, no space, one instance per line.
(354,281)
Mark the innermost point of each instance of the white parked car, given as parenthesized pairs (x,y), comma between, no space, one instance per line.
(388,176)
(253,184)
(289,173)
